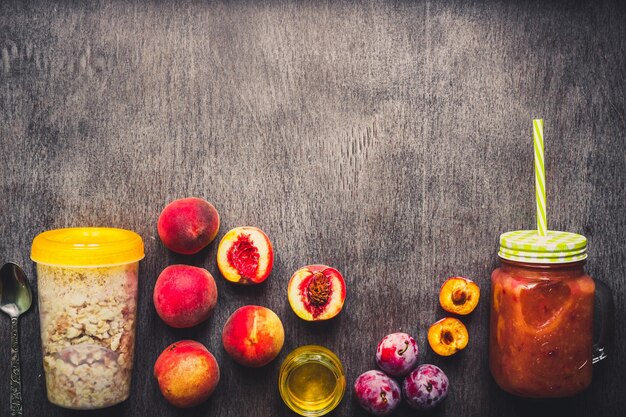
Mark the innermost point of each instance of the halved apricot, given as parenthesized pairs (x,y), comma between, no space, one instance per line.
(459,295)
(447,336)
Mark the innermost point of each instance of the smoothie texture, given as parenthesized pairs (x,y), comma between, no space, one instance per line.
(541,329)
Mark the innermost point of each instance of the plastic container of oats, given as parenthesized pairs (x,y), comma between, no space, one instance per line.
(87,285)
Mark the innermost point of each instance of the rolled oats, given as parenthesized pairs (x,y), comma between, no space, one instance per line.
(88,333)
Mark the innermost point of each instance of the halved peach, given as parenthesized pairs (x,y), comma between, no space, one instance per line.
(459,295)
(245,255)
(316,292)
(447,336)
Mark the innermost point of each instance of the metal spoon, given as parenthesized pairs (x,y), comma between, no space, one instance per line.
(15,299)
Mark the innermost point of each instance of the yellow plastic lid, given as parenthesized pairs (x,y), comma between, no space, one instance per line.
(87,246)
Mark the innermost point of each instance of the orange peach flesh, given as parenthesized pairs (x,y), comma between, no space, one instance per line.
(459,295)
(447,336)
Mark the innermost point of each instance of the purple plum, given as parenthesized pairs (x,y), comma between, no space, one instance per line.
(426,387)
(377,393)
(396,354)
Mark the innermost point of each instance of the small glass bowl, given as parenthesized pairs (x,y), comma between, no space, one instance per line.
(293,378)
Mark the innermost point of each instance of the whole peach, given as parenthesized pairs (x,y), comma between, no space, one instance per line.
(253,336)
(184,295)
(187,373)
(188,225)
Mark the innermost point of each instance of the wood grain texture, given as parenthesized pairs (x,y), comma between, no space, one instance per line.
(391,140)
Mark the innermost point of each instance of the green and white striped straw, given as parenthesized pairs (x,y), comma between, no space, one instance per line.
(540,178)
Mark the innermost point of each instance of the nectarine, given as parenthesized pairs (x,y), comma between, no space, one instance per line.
(253,336)
(187,373)
(188,225)
(184,295)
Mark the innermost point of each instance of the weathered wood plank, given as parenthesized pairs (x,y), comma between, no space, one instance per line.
(391,140)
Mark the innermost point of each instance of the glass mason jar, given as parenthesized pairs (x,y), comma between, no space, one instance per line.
(542,312)
(87,285)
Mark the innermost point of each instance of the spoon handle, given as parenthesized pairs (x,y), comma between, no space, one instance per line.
(16,374)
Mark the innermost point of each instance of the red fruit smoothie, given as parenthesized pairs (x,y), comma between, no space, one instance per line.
(541,328)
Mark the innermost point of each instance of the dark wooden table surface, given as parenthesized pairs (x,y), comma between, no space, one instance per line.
(391,140)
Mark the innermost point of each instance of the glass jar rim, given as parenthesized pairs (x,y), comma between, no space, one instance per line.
(543,265)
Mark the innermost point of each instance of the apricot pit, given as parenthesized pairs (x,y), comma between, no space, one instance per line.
(459,295)
(448,336)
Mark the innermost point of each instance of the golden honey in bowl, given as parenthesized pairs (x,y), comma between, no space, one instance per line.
(311,380)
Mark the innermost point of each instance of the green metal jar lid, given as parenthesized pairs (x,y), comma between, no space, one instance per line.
(554,248)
